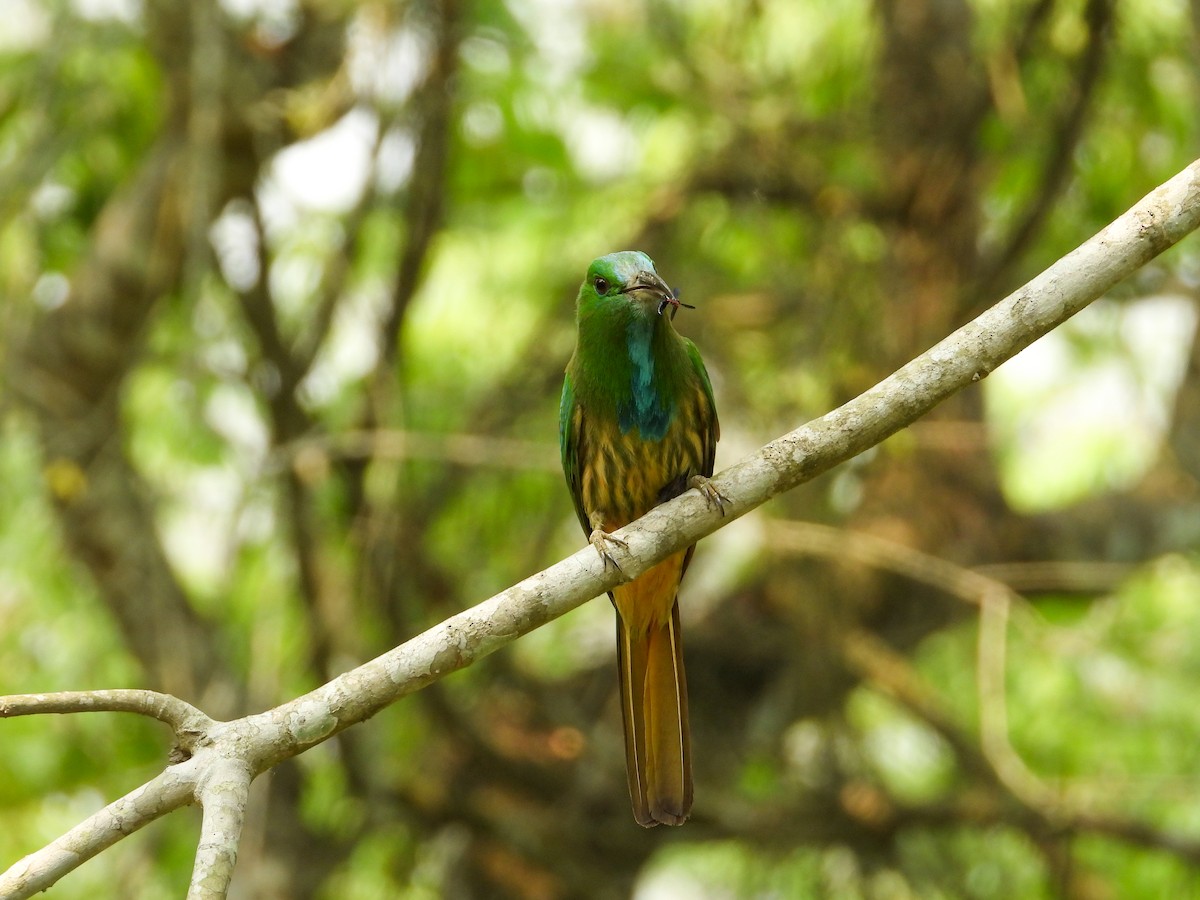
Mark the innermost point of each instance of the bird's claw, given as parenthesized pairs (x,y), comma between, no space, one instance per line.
(602,540)
(709,492)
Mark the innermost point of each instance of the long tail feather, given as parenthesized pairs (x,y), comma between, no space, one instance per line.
(654,707)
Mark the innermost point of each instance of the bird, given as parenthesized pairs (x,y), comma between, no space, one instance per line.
(637,427)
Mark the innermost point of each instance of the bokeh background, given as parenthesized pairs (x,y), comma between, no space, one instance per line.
(286,292)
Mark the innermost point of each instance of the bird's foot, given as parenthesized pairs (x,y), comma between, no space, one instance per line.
(603,541)
(709,492)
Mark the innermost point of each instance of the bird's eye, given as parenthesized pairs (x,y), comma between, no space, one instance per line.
(601,285)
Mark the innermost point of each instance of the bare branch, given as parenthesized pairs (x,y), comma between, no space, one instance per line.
(223,794)
(99,831)
(1159,220)
(991,677)
(180,715)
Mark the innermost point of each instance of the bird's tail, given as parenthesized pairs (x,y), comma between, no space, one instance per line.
(654,707)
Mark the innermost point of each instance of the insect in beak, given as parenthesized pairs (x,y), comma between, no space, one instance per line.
(674,302)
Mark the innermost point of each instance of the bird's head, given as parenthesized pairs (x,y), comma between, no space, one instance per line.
(628,277)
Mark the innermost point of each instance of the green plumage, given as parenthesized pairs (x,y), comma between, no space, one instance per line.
(637,424)
(637,404)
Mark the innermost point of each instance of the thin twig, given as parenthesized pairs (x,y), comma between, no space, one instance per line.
(991,673)
(1032,806)
(994,600)
(1060,576)
(810,538)
(179,714)
(890,673)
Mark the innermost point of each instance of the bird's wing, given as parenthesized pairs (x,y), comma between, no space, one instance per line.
(710,425)
(570,446)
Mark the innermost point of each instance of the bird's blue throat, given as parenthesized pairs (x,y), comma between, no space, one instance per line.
(645,409)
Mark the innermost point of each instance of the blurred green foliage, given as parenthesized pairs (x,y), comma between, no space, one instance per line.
(749,147)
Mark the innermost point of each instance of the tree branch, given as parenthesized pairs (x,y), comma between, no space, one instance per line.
(179,714)
(261,741)
(170,790)
(223,794)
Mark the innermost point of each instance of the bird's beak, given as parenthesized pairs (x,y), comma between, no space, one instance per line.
(652,284)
